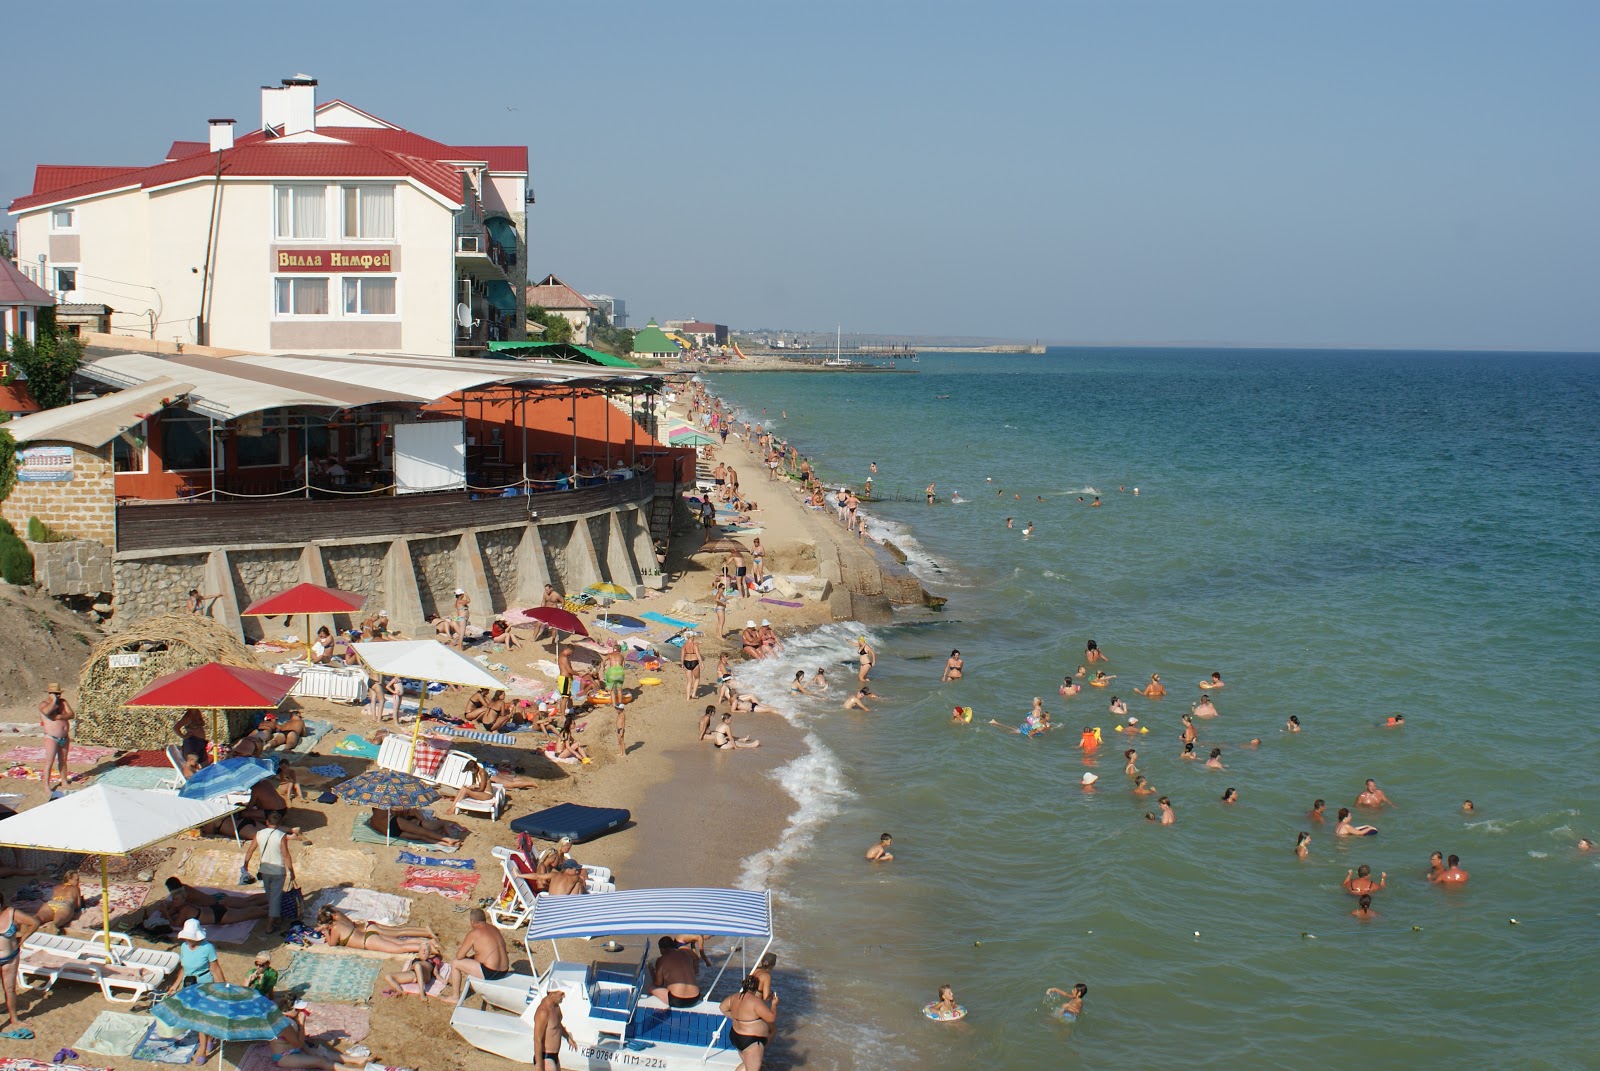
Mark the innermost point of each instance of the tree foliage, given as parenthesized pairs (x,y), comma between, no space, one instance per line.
(48,364)
(557,328)
(617,340)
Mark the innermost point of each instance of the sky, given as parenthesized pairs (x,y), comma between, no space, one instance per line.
(1413,174)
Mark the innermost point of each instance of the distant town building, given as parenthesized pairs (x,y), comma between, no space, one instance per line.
(613,309)
(704,334)
(553,295)
(333,230)
(651,341)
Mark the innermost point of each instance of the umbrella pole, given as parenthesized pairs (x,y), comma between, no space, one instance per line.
(105,906)
(416,728)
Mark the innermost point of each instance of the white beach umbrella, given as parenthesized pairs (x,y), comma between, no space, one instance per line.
(428,661)
(107,820)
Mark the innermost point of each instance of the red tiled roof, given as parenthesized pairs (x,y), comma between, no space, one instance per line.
(180,149)
(17,289)
(16,399)
(48,177)
(552,293)
(271,159)
(498,157)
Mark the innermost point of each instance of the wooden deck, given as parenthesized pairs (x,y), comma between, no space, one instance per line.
(148,526)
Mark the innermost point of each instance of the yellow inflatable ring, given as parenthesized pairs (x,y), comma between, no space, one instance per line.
(650,680)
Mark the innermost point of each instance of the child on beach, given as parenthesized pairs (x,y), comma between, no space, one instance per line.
(945,1007)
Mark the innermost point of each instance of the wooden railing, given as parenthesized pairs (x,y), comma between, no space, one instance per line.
(146,526)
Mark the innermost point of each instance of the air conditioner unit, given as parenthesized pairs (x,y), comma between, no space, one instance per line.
(469,243)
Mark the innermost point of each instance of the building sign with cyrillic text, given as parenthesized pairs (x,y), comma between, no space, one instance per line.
(334,260)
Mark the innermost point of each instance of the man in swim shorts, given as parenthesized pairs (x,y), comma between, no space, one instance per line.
(675,978)
(548,1030)
(1372,796)
(1452,873)
(482,954)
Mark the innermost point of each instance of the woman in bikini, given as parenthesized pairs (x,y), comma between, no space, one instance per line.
(291,1048)
(55,716)
(394,689)
(341,931)
(719,594)
(407,823)
(478,788)
(64,905)
(750,1023)
(867,656)
(15,928)
(1092,654)
(1154,690)
(691,662)
(757,553)
(952,667)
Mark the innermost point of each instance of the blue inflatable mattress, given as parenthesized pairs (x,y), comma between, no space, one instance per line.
(573,821)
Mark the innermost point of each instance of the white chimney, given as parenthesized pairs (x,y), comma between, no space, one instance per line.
(301,111)
(221,134)
(274,107)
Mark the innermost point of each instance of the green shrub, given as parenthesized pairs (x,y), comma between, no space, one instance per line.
(6,529)
(39,532)
(16,563)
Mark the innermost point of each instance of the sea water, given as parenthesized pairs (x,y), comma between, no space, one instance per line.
(1343,536)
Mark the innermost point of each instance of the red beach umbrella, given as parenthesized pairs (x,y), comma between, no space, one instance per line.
(554,616)
(215,686)
(306,599)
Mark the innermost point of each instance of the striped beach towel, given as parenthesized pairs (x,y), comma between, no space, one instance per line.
(413,859)
(474,734)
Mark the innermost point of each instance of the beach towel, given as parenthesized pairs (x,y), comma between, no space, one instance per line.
(257,1057)
(148,778)
(153,757)
(126,898)
(330,977)
(365,905)
(213,868)
(114,1034)
(338,1023)
(315,731)
(329,769)
(357,745)
(160,1050)
(414,859)
(781,602)
(320,867)
(118,866)
(230,933)
(476,734)
(451,884)
(80,754)
(663,619)
(362,833)
(22,1063)
(435,987)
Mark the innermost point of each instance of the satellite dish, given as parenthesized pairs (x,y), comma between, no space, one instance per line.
(464,314)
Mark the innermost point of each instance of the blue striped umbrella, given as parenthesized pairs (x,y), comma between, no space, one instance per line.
(225,1012)
(228,776)
(387,789)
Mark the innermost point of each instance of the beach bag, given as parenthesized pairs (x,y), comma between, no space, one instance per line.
(291,903)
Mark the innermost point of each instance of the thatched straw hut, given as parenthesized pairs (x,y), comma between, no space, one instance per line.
(148,649)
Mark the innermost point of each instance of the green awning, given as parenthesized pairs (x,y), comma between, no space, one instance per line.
(502,230)
(500,295)
(561,351)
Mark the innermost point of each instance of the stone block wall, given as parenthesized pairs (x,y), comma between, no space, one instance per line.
(499,549)
(357,567)
(555,539)
(73,567)
(600,535)
(146,587)
(83,507)
(433,559)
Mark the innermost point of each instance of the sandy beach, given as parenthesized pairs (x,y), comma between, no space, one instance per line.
(698,813)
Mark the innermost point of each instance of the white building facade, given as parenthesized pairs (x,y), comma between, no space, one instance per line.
(328,229)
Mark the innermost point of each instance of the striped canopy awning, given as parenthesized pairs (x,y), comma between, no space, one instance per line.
(714,912)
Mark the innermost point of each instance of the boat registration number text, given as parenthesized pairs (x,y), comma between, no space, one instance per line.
(626,1059)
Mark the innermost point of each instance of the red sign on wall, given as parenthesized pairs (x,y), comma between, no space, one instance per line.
(342,260)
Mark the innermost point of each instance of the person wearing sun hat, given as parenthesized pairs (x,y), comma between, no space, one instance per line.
(769,640)
(750,639)
(1088,781)
(55,716)
(463,614)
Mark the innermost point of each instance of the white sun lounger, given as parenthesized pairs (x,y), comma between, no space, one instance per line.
(395,754)
(136,972)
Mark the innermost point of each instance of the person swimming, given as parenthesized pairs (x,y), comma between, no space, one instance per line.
(1302,844)
(1102,680)
(1073,1006)
(1363,909)
(1213,684)
(1346,829)
(1293,725)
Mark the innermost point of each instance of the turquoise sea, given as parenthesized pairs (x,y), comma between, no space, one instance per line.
(1342,535)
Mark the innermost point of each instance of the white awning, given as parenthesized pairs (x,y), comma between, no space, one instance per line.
(713,912)
(99,420)
(108,820)
(424,660)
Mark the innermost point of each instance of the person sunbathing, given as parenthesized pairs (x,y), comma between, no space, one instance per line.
(213,908)
(566,749)
(412,824)
(725,740)
(445,629)
(290,731)
(478,787)
(64,905)
(745,703)
(344,922)
(417,970)
(497,716)
(349,934)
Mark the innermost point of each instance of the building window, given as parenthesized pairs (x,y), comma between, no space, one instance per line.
(63,219)
(128,450)
(302,297)
(369,297)
(300,212)
(260,447)
(369,212)
(66,278)
(184,442)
